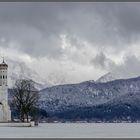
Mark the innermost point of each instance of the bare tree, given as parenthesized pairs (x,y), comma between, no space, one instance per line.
(25,98)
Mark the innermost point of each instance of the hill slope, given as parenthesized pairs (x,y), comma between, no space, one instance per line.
(86,94)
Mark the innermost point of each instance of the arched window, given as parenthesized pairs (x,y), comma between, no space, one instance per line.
(3,76)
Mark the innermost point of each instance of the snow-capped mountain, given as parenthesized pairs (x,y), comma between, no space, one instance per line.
(85,94)
(114,100)
(103,97)
(124,108)
(107,77)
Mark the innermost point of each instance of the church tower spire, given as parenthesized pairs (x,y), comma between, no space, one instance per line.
(3,59)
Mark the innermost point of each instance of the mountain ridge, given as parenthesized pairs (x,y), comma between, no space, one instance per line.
(59,98)
(93,100)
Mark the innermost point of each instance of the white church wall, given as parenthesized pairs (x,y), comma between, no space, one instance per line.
(5,113)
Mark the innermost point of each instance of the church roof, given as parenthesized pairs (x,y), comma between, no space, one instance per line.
(3,64)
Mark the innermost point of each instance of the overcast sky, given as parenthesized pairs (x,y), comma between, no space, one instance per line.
(72,41)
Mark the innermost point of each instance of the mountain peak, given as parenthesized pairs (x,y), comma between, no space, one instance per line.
(106,78)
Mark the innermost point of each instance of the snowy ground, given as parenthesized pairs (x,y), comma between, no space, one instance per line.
(71,130)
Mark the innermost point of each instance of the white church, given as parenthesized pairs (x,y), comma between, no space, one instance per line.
(5,113)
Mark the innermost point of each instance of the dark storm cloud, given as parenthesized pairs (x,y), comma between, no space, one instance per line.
(98,37)
(37,26)
(102,61)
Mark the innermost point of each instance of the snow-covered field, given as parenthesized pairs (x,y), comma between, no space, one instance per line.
(74,130)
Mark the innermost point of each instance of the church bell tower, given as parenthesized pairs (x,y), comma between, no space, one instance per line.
(3,73)
(5,113)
